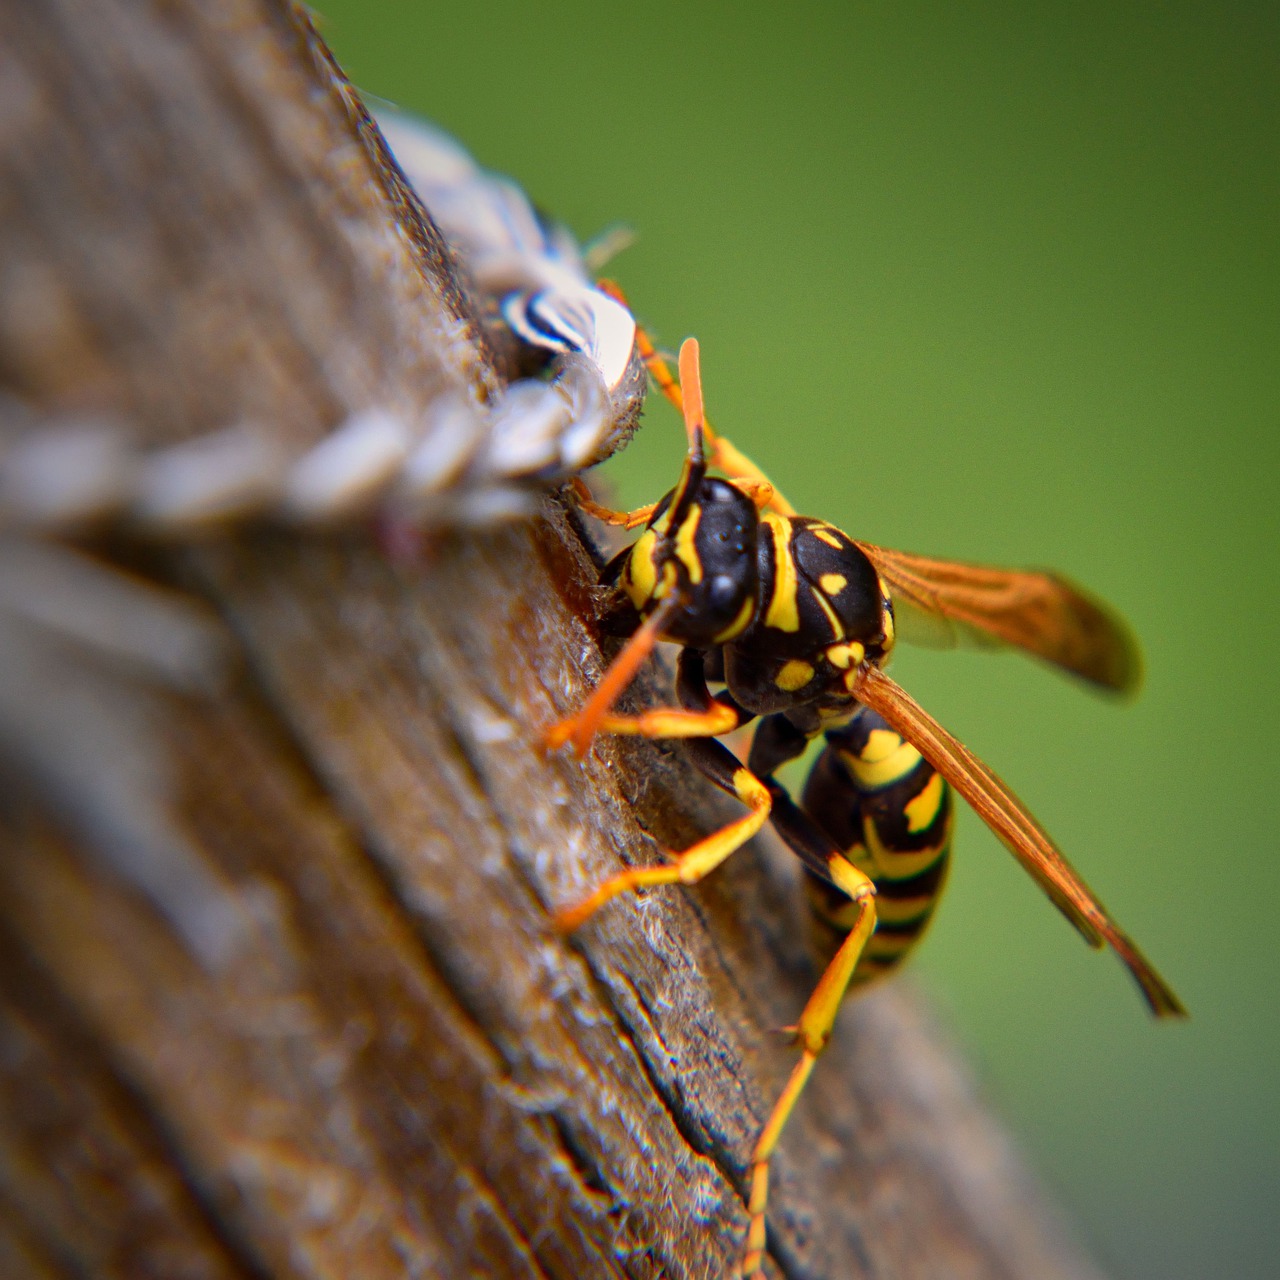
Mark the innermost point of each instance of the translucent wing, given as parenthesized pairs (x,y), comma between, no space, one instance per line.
(1020,833)
(944,602)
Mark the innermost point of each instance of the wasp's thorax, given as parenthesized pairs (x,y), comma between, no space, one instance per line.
(794,603)
(705,551)
(823,611)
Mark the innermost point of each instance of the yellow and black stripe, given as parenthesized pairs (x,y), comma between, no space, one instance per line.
(891,813)
(819,588)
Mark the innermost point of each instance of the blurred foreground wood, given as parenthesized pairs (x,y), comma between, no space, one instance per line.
(278,995)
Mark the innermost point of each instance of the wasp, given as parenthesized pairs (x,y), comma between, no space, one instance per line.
(796,621)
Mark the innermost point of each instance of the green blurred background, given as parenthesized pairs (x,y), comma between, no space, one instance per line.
(999,283)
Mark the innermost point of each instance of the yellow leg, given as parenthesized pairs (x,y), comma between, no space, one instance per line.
(688,867)
(674,722)
(812,1032)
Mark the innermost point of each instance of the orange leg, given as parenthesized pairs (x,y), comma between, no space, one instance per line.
(580,729)
(697,720)
(761,492)
(624,519)
(723,453)
(812,1033)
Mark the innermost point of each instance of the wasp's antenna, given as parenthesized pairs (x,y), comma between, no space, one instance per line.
(691,388)
(695,463)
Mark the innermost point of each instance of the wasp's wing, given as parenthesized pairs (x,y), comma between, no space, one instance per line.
(942,602)
(1021,834)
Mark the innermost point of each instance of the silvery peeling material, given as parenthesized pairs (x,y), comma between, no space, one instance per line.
(531,266)
(458,463)
(95,663)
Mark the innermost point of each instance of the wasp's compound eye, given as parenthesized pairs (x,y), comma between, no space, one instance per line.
(715,552)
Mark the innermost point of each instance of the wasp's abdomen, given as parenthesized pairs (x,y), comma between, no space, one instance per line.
(891,813)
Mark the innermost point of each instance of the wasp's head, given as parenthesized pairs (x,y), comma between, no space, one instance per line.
(702,550)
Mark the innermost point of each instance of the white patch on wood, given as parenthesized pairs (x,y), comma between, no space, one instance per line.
(65,473)
(348,469)
(225,475)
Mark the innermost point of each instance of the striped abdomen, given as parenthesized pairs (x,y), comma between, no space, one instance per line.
(892,814)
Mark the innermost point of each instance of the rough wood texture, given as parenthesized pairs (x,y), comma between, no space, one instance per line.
(278,995)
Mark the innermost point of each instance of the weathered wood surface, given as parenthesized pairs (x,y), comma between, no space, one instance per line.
(279,994)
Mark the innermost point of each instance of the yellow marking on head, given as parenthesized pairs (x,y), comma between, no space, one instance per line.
(663,523)
(924,808)
(642,574)
(825,534)
(668,584)
(846,655)
(794,675)
(881,772)
(783,612)
(833,583)
(686,552)
(738,625)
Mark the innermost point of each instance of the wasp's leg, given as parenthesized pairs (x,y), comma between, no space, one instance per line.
(580,729)
(699,715)
(698,718)
(624,519)
(777,742)
(722,452)
(676,722)
(812,1032)
(723,768)
(726,456)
